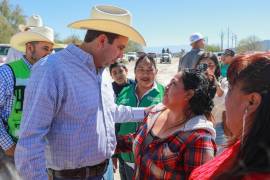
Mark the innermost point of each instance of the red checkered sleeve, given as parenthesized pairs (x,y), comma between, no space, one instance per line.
(124,143)
(199,151)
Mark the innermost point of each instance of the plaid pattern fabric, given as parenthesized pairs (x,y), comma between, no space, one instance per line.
(6,101)
(171,158)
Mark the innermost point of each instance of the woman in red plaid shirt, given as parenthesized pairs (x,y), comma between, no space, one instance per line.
(177,135)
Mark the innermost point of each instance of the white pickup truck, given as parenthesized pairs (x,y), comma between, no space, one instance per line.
(131,56)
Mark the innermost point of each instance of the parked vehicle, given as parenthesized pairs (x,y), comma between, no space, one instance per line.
(131,56)
(166,58)
(3,52)
(219,54)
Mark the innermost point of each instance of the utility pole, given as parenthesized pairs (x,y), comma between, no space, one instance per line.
(221,40)
(232,40)
(235,40)
(228,37)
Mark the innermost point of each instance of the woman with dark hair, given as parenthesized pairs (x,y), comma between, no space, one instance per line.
(219,88)
(248,118)
(178,134)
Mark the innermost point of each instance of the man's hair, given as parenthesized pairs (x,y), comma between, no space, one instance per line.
(117,64)
(93,34)
(33,42)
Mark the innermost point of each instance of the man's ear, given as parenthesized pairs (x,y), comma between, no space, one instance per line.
(254,101)
(29,47)
(102,39)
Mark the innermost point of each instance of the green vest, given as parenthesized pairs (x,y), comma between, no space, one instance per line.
(128,97)
(21,74)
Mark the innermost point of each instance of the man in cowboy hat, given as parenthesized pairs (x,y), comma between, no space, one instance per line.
(32,21)
(36,43)
(190,59)
(72,121)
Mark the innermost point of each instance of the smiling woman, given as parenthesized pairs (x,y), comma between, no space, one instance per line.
(144,93)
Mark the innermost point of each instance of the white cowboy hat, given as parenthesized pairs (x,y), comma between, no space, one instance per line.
(33,21)
(43,33)
(195,37)
(110,19)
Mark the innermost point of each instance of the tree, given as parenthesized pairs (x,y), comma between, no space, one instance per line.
(212,48)
(133,47)
(57,38)
(167,50)
(75,39)
(251,43)
(9,20)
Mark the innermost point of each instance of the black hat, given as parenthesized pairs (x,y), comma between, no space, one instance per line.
(228,52)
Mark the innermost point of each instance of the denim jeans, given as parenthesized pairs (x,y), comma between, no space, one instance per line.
(220,137)
(126,172)
(109,173)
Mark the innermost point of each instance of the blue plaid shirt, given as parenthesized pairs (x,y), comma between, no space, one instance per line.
(6,101)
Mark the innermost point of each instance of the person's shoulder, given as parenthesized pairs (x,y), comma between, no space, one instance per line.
(51,61)
(126,90)
(5,70)
(160,86)
(131,81)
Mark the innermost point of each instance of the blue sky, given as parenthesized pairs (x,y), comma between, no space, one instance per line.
(163,22)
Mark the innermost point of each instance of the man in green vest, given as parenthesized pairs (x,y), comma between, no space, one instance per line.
(35,43)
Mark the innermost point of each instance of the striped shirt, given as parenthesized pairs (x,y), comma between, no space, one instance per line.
(6,101)
(69,115)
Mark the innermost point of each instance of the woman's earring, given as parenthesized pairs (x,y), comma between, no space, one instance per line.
(243,125)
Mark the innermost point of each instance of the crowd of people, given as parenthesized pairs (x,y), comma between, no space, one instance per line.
(62,116)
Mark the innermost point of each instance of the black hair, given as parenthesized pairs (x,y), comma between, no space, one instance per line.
(144,55)
(117,64)
(93,34)
(201,102)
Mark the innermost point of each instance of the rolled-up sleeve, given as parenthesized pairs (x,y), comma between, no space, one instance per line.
(128,114)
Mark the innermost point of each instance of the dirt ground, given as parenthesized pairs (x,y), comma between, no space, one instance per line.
(164,75)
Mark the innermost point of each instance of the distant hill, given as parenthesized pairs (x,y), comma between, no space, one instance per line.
(177,48)
(172,48)
(266,45)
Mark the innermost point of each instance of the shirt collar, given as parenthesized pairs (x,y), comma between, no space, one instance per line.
(85,57)
(154,87)
(28,64)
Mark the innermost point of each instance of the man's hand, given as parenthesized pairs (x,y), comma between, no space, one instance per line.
(10,152)
(147,110)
